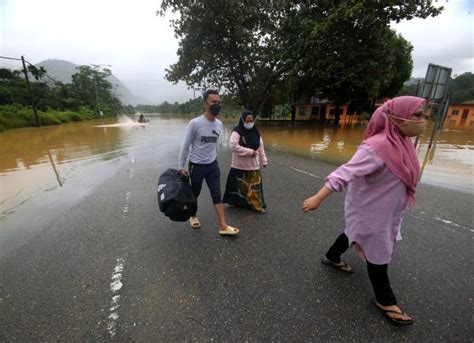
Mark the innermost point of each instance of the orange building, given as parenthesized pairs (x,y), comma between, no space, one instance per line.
(460,116)
(315,109)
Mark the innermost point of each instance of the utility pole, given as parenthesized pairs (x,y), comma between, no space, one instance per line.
(33,105)
(97,68)
(96,96)
(194,102)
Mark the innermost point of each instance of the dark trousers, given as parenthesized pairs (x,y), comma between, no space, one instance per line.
(377,273)
(209,172)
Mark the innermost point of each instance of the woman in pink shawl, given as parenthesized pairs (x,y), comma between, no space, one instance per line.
(381,178)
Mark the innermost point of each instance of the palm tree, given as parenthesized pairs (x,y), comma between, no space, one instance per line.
(38,73)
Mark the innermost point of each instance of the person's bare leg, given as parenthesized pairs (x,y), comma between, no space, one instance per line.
(221,216)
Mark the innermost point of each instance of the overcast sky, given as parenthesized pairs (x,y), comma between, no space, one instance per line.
(140,45)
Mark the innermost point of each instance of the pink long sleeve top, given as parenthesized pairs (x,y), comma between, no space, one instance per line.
(374,204)
(242,157)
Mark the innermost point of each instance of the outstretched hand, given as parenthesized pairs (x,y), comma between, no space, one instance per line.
(311,204)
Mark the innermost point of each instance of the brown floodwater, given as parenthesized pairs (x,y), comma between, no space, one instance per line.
(449,163)
(34,161)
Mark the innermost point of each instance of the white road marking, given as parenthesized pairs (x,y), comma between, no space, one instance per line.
(306,173)
(127,201)
(131,169)
(115,287)
(447,221)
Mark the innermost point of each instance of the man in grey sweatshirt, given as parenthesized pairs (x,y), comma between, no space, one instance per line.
(200,143)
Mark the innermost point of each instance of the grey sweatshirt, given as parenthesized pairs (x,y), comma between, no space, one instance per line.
(201,138)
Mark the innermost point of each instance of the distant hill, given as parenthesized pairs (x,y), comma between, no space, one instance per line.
(62,71)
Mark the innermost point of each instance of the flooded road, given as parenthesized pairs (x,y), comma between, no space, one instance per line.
(45,171)
(34,161)
(108,266)
(69,160)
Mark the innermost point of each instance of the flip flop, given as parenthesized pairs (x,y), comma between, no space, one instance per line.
(342,266)
(195,223)
(229,230)
(394,320)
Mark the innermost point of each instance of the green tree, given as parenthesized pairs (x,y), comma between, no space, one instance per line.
(13,88)
(38,73)
(350,53)
(232,45)
(462,88)
(92,87)
(259,50)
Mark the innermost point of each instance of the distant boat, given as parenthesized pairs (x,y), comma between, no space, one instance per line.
(142,119)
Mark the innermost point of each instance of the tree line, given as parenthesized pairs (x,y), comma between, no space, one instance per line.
(461,88)
(89,95)
(89,88)
(271,52)
(192,106)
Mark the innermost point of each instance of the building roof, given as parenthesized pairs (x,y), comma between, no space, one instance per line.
(314,100)
(469,103)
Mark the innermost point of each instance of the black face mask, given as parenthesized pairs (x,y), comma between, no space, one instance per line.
(215,109)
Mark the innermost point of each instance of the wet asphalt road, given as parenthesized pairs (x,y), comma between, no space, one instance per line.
(267,284)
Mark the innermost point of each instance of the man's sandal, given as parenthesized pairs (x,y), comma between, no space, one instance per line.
(342,266)
(395,320)
(229,230)
(195,223)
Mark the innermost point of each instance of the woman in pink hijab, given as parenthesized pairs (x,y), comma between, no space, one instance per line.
(381,178)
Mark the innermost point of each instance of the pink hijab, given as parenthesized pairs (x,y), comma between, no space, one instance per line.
(397,151)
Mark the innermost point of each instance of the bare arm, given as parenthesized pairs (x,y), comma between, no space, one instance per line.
(364,162)
(313,202)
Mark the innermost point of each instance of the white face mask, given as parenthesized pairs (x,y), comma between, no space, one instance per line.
(412,128)
(409,127)
(248,126)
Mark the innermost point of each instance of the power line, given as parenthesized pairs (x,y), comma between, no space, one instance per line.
(70,73)
(19,67)
(10,65)
(19,59)
(10,58)
(60,71)
(45,74)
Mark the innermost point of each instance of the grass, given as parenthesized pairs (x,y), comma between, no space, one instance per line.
(16,116)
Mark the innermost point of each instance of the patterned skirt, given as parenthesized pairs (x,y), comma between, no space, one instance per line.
(244,188)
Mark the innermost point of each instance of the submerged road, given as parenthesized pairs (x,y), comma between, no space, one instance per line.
(113,268)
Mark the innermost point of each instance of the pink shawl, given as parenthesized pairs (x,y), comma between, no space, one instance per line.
(397,151)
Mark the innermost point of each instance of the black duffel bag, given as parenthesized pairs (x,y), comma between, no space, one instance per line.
(175,196)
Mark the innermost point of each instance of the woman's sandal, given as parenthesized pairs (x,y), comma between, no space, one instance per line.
(394,320)
(342,266)
(229,230)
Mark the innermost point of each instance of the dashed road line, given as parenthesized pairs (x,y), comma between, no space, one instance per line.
(115,288)
(300,171)
(306,173)
(127,202)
